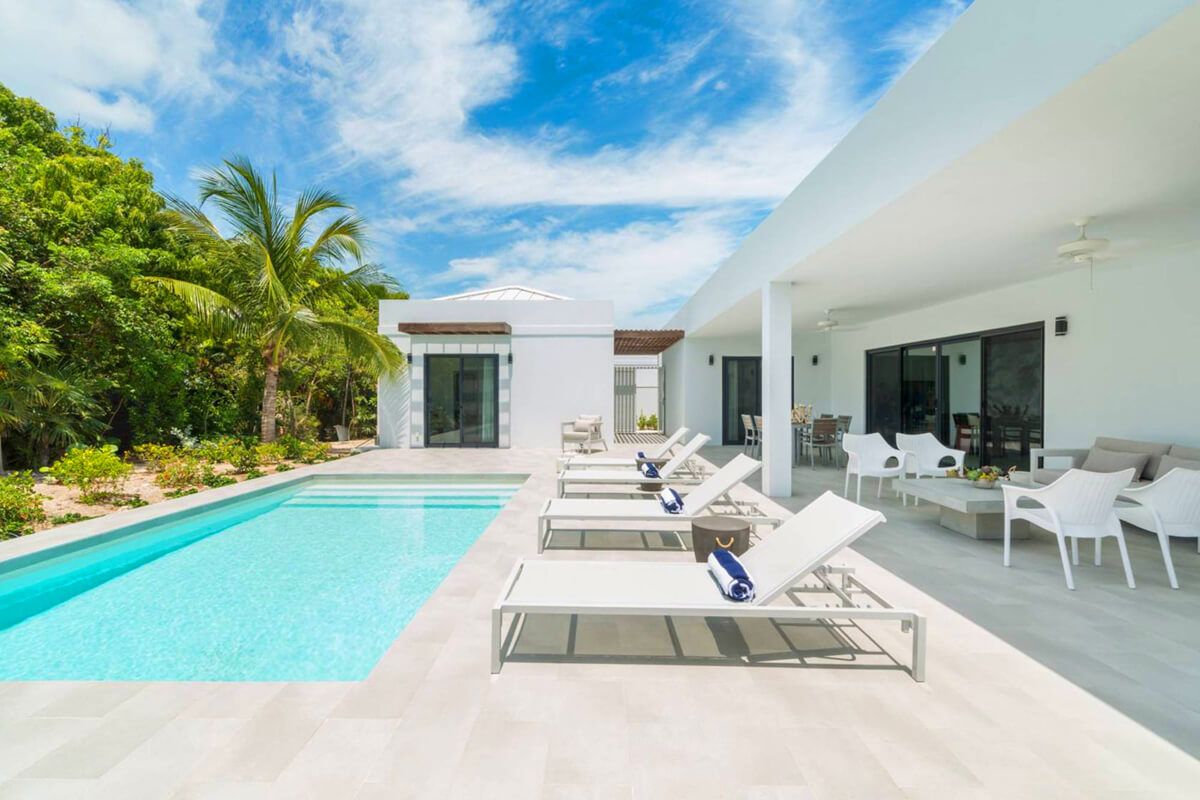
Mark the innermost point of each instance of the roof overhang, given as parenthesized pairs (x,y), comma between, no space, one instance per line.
(644,342)
(455,328)
(967,174)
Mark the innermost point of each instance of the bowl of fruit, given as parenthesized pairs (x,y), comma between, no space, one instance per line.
(985,477)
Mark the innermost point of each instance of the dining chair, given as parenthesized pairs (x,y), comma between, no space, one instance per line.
(751,440)
(822,435)
(758,435)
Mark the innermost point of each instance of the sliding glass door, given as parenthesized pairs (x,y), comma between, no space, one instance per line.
(1012,396)
(461,401)
(981,393)
(741,392)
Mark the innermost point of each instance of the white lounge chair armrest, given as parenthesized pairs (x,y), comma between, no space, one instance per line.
(1038,455)
(1012,494)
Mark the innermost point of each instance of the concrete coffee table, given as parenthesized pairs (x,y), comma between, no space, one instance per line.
(965,509)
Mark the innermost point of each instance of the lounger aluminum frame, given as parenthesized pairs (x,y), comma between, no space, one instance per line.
(679,470)
(657,453)
(716,488)
(799,549)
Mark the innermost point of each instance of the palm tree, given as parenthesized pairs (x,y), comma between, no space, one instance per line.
(63,411)
(277,284)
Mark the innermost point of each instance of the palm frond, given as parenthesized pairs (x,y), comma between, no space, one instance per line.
(353,285)
(215,310)
(344,238)
(365,345)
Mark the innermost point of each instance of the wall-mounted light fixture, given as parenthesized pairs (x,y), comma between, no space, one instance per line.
(815,360)
(409,357)
(962,359)
(711,359)
(1060,326)
(510,357)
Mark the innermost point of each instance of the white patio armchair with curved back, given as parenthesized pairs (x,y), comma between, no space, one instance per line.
(1079,505)
(584,431)
(925,455)
(1168,507)
(867,455)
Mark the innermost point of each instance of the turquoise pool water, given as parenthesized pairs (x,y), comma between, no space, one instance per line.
(309,582)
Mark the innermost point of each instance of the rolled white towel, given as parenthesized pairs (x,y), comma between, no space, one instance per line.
(735,582)
(672,503)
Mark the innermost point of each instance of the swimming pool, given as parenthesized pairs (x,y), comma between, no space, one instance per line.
(308,582)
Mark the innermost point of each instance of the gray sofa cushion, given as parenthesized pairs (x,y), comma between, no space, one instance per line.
(1170,462)
(1101,460)
(1045,475)
(1152,449)
(1179,451)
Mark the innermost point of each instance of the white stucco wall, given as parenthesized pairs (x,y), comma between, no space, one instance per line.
(562,354)
(1128,367)
(694,387)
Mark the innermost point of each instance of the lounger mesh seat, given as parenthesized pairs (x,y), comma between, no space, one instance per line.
(800,548)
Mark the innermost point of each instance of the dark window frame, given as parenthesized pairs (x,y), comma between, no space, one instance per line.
(495,365)
(938,343)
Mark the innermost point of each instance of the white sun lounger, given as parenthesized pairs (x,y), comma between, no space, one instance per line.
(672,472)
(797,549)
(657,453)
(697,502)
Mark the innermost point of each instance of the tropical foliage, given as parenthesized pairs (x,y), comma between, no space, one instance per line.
(127,318)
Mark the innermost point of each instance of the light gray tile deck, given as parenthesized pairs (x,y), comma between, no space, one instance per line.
(1032,691)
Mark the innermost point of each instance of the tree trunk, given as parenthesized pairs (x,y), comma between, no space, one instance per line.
(1,454)
(270,390)
(44,452)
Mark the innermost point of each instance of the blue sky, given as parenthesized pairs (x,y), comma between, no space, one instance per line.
(613,150)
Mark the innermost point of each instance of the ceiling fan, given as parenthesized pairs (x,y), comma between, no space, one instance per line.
(1083,250)
(831,323)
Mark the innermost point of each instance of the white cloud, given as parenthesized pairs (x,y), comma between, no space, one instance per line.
(405,87)
(647,268)
(105,61)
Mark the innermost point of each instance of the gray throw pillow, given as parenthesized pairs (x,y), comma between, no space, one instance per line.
(1170,462)
(1100,460)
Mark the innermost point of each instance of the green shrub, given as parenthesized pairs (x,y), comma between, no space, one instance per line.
(244,458)
(283,467)
(69,517)
(155,456)
(97,472)
(219,451)
(647,423)
(179,473)
(251,474)
(20,505)
(186,490)
(270,452)
(214,479)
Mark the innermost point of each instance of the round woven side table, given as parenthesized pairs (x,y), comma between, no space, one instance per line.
(729,533)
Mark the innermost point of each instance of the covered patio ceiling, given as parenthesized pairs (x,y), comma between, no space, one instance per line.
(1119,144)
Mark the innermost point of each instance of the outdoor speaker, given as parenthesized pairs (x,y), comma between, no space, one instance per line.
(1060,326)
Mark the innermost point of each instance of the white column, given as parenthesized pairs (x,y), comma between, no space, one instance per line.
(777,389)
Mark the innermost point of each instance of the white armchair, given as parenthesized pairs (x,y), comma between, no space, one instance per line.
(1079,505)
(1168,507)
(868,455)
(584,431)
(925,454)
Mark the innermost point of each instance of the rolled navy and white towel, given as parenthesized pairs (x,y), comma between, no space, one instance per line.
(672,503)
(735,582)
(649,470)
(641,454)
